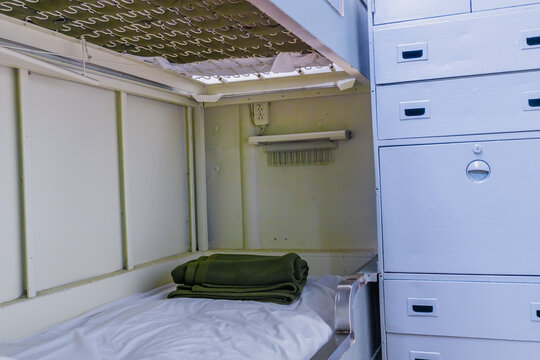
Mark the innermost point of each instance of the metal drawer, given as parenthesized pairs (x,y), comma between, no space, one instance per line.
(479,43)
(408,347)
(388,11)
(465,208)
(480,5)
(474,105)
(488,310)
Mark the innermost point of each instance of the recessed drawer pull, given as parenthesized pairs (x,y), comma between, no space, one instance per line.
(530,39)
(415,112)
(533,41)
(422,355)
(422,308)
(534,102)
(412,110)
(531,100)
(412,54)
(535,312)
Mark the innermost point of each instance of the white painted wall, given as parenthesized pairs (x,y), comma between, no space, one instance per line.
(301,207)
(75,205)
(11,268)
(156,179)
(224,183)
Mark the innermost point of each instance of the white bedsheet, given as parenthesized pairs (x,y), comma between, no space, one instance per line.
(149,326)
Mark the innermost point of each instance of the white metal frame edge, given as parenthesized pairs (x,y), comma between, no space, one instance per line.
(191,179)
(121,111)
(48,40)
(26,188)
(200,178)
(371,11)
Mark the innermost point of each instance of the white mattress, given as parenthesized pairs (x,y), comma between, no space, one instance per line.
(149,326)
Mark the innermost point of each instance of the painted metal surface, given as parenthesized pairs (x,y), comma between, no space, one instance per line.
(342,40)
(429,229)
(75,205)
(470,44)
(355,322)
(471,105)
(156,179)
(481,5)
(490,310)
(410,347)
(11,249)
(223,177)
(320,206)
(121,111)
(458,147)
(200,178)
(389,11)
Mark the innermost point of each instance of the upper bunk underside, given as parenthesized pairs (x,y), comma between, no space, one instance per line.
(216,42)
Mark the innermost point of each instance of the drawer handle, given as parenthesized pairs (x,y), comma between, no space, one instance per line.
(424,309)
(534,102)
(412,54)
(422,355)
(533,41)
(478,171)
(415,112)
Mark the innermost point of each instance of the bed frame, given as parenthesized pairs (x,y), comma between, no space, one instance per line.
(355,336)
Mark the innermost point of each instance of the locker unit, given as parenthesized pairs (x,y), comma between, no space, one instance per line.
(456,136)
(126,150)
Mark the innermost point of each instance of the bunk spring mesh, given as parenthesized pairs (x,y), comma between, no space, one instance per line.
(181,31)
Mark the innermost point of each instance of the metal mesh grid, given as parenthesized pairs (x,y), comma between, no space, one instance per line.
(181,31)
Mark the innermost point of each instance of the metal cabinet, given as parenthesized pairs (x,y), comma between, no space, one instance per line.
(481,5)
(463,208)
(409,347)
(481,43)
(473,105)
(474,309)
(388,11)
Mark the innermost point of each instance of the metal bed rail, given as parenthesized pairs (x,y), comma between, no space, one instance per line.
(356,318)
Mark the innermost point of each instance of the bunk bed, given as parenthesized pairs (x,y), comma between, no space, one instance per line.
(150,326)
(127,61)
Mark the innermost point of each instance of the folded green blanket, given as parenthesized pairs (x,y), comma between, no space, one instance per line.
(278,279)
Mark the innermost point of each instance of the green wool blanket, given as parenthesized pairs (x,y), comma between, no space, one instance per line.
(278,279)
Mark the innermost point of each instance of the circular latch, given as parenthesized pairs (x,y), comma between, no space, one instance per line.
(478,171)
(477,148)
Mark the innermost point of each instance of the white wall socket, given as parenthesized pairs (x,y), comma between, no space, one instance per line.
(261,114)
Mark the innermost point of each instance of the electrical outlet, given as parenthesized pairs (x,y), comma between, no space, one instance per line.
(261,114)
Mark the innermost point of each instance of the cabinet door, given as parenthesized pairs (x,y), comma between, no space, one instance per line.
(388,11)
(467,208)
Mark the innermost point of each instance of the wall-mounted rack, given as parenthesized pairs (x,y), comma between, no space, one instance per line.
(300,149)
(302,137)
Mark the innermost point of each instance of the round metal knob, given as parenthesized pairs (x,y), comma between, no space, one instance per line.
(477,149)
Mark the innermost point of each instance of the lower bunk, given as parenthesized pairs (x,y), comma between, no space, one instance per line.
(319,324)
